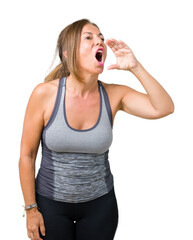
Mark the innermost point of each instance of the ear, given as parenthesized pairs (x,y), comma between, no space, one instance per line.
(65,54)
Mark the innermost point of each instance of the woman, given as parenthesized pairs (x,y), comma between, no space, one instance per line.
(72,113)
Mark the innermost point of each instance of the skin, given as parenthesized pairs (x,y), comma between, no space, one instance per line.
(82,106)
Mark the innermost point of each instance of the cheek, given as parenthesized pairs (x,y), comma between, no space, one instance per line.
(105,55)
(84,57)
(84,50)
(81,56)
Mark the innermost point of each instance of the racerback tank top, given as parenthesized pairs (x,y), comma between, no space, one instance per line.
(74,166)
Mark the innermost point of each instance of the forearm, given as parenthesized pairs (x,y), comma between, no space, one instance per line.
(159,98)
(27,179)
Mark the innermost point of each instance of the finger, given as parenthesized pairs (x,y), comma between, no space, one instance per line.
(113,48)
(110,41)
(120,45)
(116,45)
(31,236)
(113,44)
(113,66)
(123,44)
(123,52)
(42,229)
(36,234)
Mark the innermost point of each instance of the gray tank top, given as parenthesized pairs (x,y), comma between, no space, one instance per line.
(74,165)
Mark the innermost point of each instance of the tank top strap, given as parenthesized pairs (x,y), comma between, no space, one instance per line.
(63,81)
(107,103)
(99,82)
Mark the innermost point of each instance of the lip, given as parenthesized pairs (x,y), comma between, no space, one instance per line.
(102,62)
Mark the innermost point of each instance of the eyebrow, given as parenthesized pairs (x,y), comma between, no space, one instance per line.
(100,34)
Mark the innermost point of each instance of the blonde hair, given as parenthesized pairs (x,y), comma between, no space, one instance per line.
(68,43)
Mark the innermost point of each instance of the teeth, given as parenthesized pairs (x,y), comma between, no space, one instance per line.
(99,55)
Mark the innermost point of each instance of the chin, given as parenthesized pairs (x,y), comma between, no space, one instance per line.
(93,71)
(96,71)
(100,69)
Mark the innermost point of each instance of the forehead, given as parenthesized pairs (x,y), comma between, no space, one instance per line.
(89,28)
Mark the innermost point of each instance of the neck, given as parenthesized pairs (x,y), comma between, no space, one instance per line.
(82,89)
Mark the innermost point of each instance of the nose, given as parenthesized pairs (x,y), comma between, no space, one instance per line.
(98,40)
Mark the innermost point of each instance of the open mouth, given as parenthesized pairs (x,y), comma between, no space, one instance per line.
(99,56)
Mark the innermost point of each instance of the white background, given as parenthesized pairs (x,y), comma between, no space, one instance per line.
(151,160)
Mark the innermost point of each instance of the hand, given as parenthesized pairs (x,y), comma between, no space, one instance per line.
(34,222)
(125,59)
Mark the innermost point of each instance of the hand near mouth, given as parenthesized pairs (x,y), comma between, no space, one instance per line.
(125,59)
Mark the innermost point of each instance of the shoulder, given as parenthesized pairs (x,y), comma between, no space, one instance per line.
(42,92)
(116,93)
(116,89)
(45,89)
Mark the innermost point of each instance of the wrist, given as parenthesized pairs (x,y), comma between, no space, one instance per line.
(31,206)
(135,68)
(32,211)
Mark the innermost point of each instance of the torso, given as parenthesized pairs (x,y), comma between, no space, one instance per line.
(81,113)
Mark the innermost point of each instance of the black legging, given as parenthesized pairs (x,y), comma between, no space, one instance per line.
(93,220)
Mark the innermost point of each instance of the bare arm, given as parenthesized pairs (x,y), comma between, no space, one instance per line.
(32,128)
(156,103)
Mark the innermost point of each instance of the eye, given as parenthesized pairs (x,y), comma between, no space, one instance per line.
(103,39)
(88,38)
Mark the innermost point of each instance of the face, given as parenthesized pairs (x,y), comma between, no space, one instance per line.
(92,50)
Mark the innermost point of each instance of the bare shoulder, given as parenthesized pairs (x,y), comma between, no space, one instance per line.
(118,89)
(45,88)
(116,92)
(42,92)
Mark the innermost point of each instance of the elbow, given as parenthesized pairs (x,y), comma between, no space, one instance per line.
(168,109)
(166,112)
(171,108)
(26,162)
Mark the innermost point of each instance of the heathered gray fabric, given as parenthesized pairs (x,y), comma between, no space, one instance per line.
(75,166)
